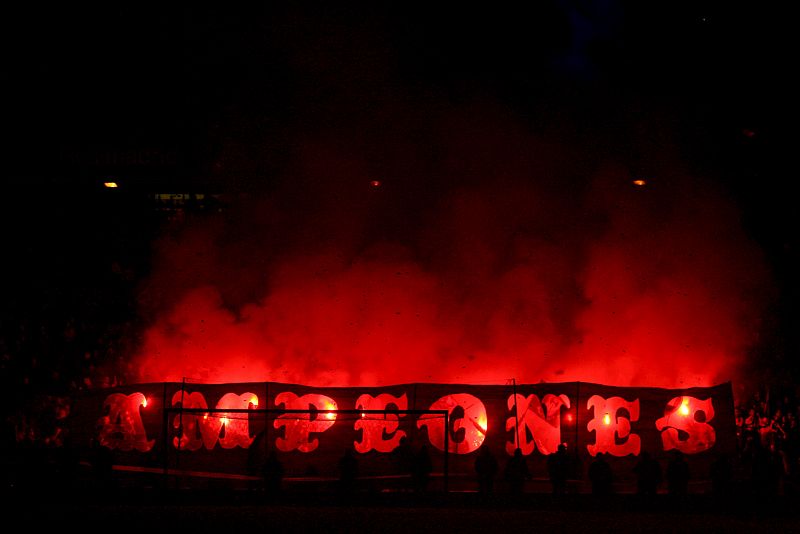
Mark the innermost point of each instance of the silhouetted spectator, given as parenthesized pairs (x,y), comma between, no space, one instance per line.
(677,474)
(750,425)
(256,457)
(721,475)
(403,457)
(29,463)
(273,473)
(348,471)
(756,459)
(66,464)
(648,474)
(421,470)
(486,469)
(557,468)
(600,475)
(8,454)
(792,443)
(776,470)
(516,472)
(102,464)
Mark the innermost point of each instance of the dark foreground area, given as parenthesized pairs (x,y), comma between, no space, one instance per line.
(215,511)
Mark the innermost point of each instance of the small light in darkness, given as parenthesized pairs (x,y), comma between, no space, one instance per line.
(111,185)
(639,182)
(375,183)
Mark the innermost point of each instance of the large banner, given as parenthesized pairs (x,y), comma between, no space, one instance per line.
(166,425)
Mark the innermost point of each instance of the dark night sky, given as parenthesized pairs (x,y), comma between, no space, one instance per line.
(226,93)
(612,72)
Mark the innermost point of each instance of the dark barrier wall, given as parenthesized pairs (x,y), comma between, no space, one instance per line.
(142,423)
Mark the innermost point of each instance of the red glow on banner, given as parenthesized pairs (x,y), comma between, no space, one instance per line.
(467,429)
(196,431)
(237,425)
(329,415)
(684,425)
(614,435)
(375,426)
(541,419)
(299,427)
(193,431)
(616,426)
(123,428)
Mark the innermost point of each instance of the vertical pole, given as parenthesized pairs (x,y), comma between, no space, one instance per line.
(577,413)
(180,427)
(180,415)
(165,434)
(516,412)
(266,405)
(447,452)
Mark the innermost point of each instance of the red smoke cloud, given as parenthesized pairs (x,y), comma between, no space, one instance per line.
(486,261)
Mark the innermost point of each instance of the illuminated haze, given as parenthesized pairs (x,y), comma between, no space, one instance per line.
(484,254)
(502,241)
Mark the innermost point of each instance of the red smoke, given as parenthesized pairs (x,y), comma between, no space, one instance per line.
(496,258)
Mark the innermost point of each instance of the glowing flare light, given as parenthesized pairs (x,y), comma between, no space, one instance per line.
(684,409)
